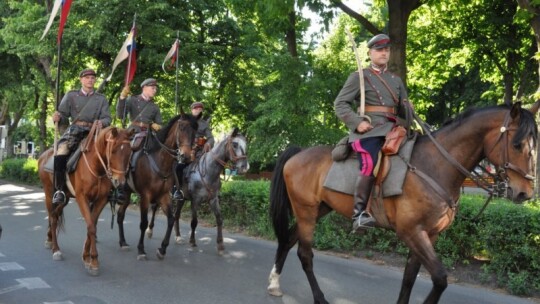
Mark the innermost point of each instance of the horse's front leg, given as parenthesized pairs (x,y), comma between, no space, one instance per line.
(177,214)
(90,235)
(166,207)
(194,223)
(150,229)
(214,205)
(422,251)
(120,220)
(97,208)
(143,207)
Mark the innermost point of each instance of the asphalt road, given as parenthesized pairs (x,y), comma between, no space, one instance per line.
(29,275)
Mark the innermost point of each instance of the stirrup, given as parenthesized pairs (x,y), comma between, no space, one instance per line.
(59,198)
(178,195)
(363,221)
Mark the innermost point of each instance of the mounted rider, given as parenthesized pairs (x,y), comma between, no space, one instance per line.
(385,98)
(84,106)
(143,114)
(204,142)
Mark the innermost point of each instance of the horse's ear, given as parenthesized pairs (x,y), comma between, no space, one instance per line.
(516,110)
(535,106)
(234,132)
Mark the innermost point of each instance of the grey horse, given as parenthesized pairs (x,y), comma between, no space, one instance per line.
(202,183)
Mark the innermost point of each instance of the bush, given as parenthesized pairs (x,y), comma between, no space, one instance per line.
(23,170)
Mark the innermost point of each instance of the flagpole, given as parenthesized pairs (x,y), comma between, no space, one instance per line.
(176,66)
(128,73)
(58,69)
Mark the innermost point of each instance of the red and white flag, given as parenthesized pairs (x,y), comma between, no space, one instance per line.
(65,5)
(128,50)
(171,55)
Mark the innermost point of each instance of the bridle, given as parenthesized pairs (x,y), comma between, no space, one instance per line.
(233,157)
(175,153)
(108,168)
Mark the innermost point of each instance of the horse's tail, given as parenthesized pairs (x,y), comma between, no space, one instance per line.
(280,205)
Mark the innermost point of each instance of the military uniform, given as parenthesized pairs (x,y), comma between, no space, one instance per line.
(142,113)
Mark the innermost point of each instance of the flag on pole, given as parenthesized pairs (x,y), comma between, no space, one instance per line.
(127,51)
(65,5)
(171,55)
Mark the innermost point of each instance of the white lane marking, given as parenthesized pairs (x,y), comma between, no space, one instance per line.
(10,266)
(28,283)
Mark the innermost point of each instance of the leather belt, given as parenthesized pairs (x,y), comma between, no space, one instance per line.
(391,110)
(83,124)
(139,124)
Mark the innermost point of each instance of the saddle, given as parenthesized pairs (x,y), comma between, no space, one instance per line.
(72,162)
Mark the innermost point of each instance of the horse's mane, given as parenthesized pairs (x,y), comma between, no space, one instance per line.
(162,134)
(527,124)
(101,138)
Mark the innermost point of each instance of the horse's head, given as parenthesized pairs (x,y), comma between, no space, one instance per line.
(237,149)
(511,148)
(113,146)
(180,134)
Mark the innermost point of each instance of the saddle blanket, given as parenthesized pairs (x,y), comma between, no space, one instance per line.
(342,175)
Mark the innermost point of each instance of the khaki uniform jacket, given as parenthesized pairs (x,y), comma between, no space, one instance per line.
(376,94)
(139,111)
(79,107)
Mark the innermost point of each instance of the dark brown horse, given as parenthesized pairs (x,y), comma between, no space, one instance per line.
(103,164)
(152,176)
(505,135)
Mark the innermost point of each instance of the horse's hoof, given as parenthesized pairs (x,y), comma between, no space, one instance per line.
(48,244)
(179,240)
(125,248)
(220,252)
(93,271)
(160,255)
(57,256)
(274,291)
(149,233)
(141,257)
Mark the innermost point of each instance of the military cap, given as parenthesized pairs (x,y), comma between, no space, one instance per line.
(149,82)
(379,41)
(197,104)
(87,72)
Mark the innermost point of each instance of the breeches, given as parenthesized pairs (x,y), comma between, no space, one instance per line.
(367,152)
(71,139)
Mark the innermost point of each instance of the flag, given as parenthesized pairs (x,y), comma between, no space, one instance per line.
(66,5)
(56,6)
(127,48)
(171,54)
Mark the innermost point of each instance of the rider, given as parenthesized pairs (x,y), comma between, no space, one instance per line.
(384,94)
(204,141)
(143,113)
(83,106)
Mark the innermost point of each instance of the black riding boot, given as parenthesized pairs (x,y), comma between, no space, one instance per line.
(178,194)
(60,162)
(362,219)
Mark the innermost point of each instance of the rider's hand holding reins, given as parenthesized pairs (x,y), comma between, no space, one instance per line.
(156,127)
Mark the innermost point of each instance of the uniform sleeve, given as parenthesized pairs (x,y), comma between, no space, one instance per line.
(209,136)
(344,103)
(65,110)
(105,113)
(120,107)
(158,119)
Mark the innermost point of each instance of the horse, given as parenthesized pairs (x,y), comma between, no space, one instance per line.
(152,176)
(103,164)
(202,184)
(505,135)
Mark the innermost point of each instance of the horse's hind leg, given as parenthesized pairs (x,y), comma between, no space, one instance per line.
(281,255)
(120,221)
(214,204)
(194,223)
(170,223)
(177,213)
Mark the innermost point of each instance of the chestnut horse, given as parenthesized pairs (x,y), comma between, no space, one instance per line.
(152,175)
(202,183)
(103,164)
(505,135)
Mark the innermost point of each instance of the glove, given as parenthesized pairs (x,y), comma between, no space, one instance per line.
(155,127)
(125,92)
(206,148)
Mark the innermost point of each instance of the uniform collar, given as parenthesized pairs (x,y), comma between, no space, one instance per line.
(379,69)
(84,93)
(146,98)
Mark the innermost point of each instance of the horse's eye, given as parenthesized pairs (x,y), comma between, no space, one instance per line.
(235,145)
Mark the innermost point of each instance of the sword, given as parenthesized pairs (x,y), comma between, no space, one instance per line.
(360,73)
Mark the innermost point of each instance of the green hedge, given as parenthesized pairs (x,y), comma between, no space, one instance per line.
(506,235)
(24,170)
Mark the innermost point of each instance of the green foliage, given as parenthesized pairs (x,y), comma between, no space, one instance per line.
(20,170)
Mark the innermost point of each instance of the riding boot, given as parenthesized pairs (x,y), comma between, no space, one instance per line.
(178,194)
(361,218)
(60,163)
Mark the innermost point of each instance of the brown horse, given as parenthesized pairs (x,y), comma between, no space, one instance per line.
(103,164)
(152,176)
(505,135)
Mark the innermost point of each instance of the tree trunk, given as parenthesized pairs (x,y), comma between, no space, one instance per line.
(290,35)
